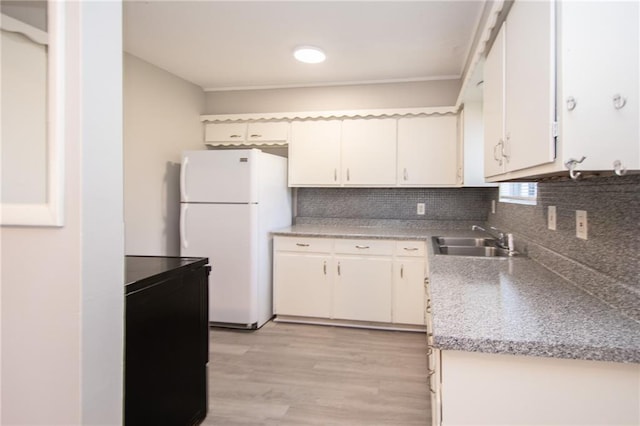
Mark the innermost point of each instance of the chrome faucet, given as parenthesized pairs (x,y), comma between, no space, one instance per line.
(503,240)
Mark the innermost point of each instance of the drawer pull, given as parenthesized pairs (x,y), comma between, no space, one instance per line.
(362,247)
(411,248)
(302,245)
(256,136)
(235,136)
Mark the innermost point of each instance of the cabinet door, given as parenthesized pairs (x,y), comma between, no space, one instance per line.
(530,84)
(314,153)
(268,132)
(302,285)
(427,151)
(595,128)
(493,107)
(369,152)
(362,289)
(225,132)
(408,291)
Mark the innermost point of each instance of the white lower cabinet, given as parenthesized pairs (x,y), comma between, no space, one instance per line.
(409,272)
(500,389)
(363,288)
(305,284)
(350,279)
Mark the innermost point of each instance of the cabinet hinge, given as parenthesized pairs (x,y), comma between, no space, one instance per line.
(554,129)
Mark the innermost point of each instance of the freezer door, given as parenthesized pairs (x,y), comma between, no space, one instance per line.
(226,234)
(223,176)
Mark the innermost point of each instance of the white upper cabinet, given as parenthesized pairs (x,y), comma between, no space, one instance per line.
(519,90)
(595,101)
(247,133)
(529,84)
(598,105)
(314,153)
(428,151)
(493,108)
(225,132)
(369,152)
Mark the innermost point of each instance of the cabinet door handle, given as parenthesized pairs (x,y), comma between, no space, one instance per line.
(362,247)
(256,135)
(411,248)
(335,175)
(338,268)
(618,101)
(235,136)
(324,267)
(401,271)
(405,175)
(302,245)
(495,157)
(348,178)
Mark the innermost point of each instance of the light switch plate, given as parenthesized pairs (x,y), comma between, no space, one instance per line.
(420,209)
(551,218)
(581,224)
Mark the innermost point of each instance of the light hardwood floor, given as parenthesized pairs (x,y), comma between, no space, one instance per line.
(293,374)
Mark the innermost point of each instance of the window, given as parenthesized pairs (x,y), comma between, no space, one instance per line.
(519,193)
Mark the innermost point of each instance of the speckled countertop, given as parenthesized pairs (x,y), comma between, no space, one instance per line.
(509,306)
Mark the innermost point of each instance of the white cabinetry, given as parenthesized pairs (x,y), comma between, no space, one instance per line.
(409,270)
(499,389)
(369,152)
(428,151)
(494,108)
(314,153)
(520,90)
(303,269)
(598,90)
(377,281)
(599,64)
(246,133)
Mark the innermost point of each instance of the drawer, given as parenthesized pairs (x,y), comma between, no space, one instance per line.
(366,247)
(410,248)
(302,244)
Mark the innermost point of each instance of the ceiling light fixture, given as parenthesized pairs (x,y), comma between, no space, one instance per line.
(309,54)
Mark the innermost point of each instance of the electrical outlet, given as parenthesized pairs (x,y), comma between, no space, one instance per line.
(493,206)
(420,209)
(581,224)
(551,218)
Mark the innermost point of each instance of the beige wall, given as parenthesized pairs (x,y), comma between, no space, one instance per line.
(161,119)
(368,96)
(61,288)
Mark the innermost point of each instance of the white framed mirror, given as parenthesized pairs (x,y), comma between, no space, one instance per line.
(32,123)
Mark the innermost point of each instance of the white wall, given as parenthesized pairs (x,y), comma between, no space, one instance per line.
(62,288)
(397,95)
(161,119)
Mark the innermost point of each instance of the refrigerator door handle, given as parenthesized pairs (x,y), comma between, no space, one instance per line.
(183,228)
(183,178)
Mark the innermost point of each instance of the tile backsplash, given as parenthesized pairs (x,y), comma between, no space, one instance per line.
(441,204)
(613,216)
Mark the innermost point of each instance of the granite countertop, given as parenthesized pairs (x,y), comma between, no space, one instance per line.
(507,306)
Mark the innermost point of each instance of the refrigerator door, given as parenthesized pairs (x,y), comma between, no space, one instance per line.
(222,176)
(226,234)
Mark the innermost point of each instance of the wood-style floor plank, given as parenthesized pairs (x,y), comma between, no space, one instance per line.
(295,374)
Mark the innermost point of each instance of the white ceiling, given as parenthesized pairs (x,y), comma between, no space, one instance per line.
(223,45)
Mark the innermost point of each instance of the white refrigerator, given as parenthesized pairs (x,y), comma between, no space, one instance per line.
(230,202)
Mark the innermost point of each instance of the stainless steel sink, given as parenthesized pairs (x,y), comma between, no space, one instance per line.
(467,242)
(476,247)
